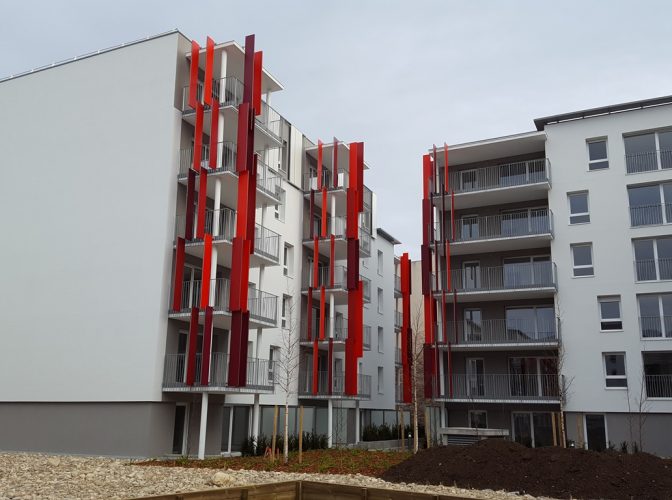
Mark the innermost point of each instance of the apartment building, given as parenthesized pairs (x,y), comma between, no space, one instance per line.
(544,281)
(180,249)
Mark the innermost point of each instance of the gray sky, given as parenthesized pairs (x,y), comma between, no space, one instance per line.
(396,75)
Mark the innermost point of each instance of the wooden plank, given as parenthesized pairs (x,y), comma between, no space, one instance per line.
(319,491)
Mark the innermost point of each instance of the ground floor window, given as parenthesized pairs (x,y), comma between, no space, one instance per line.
(478,419)
(179,429)
(533,429)
(596,432)
(235,427)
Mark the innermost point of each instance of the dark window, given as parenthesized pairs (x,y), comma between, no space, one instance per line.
(578,208)
(597,155)
(614,368)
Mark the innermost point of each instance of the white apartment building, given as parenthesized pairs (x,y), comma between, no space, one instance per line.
(134,323)
(545,276)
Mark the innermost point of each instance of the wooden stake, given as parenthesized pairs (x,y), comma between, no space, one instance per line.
(555,430)
(301,434)
(427,426)
(403,429)
(275,432)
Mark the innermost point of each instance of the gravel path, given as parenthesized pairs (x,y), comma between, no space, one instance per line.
(38,476)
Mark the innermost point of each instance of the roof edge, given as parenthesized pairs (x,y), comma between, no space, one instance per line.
(384,234)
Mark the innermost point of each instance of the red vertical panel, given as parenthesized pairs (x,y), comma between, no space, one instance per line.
(240,325)
(206,270)
(245,275)
(198,138)
(236,274)
(242,137)
(359,299)
(315,366)
(316,263)
(330,367)
(256,94)
(202,201)
(179,274)
(324,212)
(426,176)
(309,315)
(429,359)
(248,70)
(207,347)
(193,75)
(251,201)
(360,175)
(352,173)
(243,204)
(335,167)
(322,311)
(452,215)
(435,169)
(428,319)
(319,164)
(214,132)
(352,221)
(446,171)
(209,61)
(332,261)
(191,195)
(192,345)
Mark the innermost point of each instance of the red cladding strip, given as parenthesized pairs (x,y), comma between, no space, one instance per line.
(243,204)
(245,275)
(335,167)
(452,215)
(352,174)
(235,347)
(193,75)
(309,314)
(360,175)
(202,201)
(429,361)
(323,308)
(179,275)
(332,260)
(198,138)
(316,263)
(428,319)
(206,269)
(446,171)
(193,344)
(324,212)
(251,202)
(191,195)
(243,135)
(214,133)
(426,175)
(207,347)
(319,164)
(248,71)
(352,221)
(315,365)
(359,298)
(256,97)
(209,61)
(236,274)
(435,169)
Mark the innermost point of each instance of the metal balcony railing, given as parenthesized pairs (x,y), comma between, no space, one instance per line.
(507,277)
(502,331)
(649,215)
(268,180)
(306,382)
(366,338)
(658,386)
(340,331)
(518,224)
(310,180)
(653,269)
(335,225)
(266,242)
(652,327)
(397,284)
(397,355)
(500,176)
(648,161)
(364,241)
(226,158)
(221,224)
(262,305)
(398,319)
(502,387)
(324,277)
(259,371)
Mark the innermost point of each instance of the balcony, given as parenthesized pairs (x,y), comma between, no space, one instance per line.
(658,386)
(221,224)
(259,374)
(398,320)
(397,286)
(520,181)
(507,334)
(648,161)
(340,332)
(655,327)
(310,181)
(515,280)
(504,232)
(338,284)
(263,306)
(500,388)
(653,269)
(306,389)
(651,215)
(336,226)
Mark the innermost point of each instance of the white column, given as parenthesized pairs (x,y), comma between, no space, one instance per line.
(330,423)
(357,417)
(442,369)
(256,411)
(333,214)
(220,127)
(203,427)
(217,198)
(332,313)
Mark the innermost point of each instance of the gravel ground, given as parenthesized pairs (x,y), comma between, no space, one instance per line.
(39,476)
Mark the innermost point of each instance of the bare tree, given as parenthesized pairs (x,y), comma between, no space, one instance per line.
(642,407)
(287,365)
(417,369)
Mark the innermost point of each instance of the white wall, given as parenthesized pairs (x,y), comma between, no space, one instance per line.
(609,231)
(87,203)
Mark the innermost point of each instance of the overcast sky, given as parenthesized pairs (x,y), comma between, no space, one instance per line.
(397,75)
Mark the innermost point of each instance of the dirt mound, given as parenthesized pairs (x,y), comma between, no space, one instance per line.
(553,472)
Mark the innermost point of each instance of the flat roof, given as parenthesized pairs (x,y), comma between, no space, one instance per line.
(540,123)
(384,234)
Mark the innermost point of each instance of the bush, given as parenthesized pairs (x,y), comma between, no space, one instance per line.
(311,441)
(385,432)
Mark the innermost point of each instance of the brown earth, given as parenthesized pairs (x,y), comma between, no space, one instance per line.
(553,472)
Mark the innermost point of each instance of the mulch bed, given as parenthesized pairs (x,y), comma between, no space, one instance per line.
(369,463)
(554,472)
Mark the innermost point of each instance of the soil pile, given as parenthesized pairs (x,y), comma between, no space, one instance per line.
(554,472)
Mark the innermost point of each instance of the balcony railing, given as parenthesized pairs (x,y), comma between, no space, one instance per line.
(226,158)
(398,319)
(324,277)
(259,371)
(653,269)
(502,387)
(366,338)
(266,242)
(648,161)
(221,224)
(500,176)
(306,382)
(364,241)
(502,331)
(658,386)
(310,180)
(397,355)
(263,306)
(534,222)
(652,327)
(649,215)
(340,331)
(507,277)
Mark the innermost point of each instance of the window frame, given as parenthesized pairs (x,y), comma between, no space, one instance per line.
(595,140)
(615,377)
(659,296)
(381,380)
(569,206)
(285,314)
(658,156)
(379,262)
(485,412)
(288,260)
(381,340)
(381,300)
(279,208)
(605,299)
(592,260)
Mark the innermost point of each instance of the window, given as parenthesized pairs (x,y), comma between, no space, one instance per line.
(647,152)
(650,205)
(273,355)
(582,257)
(380,300)
(597,154)
(380,380)
(288,260)
(381,339)
(655,315)
(653,259)
(610,313)
(614,370)
(285,316)
(530,323)
(380,262)
(478,419)
(280,207)
(578,208)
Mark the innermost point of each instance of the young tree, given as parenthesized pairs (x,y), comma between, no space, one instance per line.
(417,369)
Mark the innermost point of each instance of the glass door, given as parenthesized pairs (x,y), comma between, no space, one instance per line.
(468,180)
(596,432)
(472,325)
(469,229)
(522,429)
(475,377)
(471,275)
